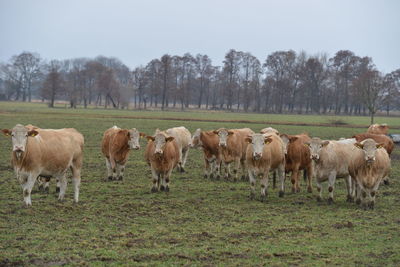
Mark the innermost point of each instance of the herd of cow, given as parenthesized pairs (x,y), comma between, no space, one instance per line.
(363,160)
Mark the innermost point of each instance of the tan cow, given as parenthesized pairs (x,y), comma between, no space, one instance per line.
(162,155)
(269,130)
(233,147)
(46,152)
(378,129)
(298,158)
(369,164)
(265,154)
(208,141)
(115,146)
(183,138)
(331,160)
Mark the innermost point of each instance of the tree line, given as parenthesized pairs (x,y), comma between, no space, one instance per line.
(285,82)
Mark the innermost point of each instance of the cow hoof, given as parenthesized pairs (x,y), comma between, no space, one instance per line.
(162,188)
(110,178)
(350,199)
(263,198)
(281,193)
(293,190)
(46,190)
(40,188)
(167,189)
(330,201)
(298,190)
(386,182)
(182,170)
(205,176)
(120,178)
(309,189)
(57,189)
(218,177)
(371,205)
(243,178)
(358,201)
(154,189)
(211,176)
(252,196)
(319,199)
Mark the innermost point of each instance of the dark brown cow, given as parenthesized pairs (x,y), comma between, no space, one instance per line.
(298,158)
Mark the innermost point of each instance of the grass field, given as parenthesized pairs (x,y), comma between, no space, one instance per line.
(200,222)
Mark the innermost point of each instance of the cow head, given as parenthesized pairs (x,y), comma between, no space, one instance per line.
(257,141)
(133,141)
(316,145)
(369,147)
(160,139)
(223,135)
(196,142)
(19,136)
(269,130)
(286,140)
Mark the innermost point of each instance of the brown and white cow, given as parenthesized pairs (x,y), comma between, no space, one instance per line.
(208,141)
(297,159)
(331,160)
(115,146)
(378,129)
(46,152)
(369,164)
(265,154)
(162,155)
(183,138)
(269,130)
(233,147)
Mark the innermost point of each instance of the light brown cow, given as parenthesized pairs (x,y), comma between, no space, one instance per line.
(265,154)
(46,152)
(369,164)
(331,160)
(378,129)
(162,155)
(269,130)
(233,147)
(183,139)
(208,141)
(298,158)
(115,146)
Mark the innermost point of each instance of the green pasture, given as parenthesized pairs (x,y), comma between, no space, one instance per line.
(199,222)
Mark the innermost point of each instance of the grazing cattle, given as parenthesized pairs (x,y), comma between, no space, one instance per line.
(209,142)
(48,153)
(162,155)
(330,161)
(386,141)
(378,129)
(233,145)
(298,158)
(115,147)
(369,164)
(269,130)
(265,154)
(183,139)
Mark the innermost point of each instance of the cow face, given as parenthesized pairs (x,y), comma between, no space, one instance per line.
(369,147)
(19,136)
(286,140)
(133,140)
(196,142)
(223,135)
(316,145)
(258,141)
(160,140)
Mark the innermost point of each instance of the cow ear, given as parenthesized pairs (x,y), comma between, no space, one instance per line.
(293,138)
(380,145)
(148,137)
(142,135)
(267,140)
(358,145)
(6,132)
(230,132)
(248,139)
(215,131)
(169,138)
(325,143)
(33,133)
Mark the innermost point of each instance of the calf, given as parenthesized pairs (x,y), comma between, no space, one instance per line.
(48,153)
(115,147)
(209,142)
(378,129)
(265,154)
(183,139)
(233,145)
(162,155)
(331,160)
(368,166)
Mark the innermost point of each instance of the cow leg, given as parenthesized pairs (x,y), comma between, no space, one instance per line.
(155,181)
(295,179)
(76,181)
(27,188)
(358,194)
(63,186)
(331,186)
(109,169)
(57,185)
(348,181)
(227,167)
(319,189)
(207,168)
(282,177)
(264,185)
(120,171)
(386,180)
(309,173)
(185,153)
(167,180)
(40,183)
(217,169)
(236,169)
(243,167)
(274,180)
(46,186)
(252,184)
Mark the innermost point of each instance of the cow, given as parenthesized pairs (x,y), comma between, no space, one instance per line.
(115,146)
(369,164)
(265,154)
(269,130)
(46,152)
(162,155)
(298,158)
(233,145)
(330,161)
(183,138)
(378,129)
(386,142)
(208,141)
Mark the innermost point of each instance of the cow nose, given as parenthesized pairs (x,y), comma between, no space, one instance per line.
(18,148)
(159,152)
(223,144)
(136,147)
(314,157)
(370,159)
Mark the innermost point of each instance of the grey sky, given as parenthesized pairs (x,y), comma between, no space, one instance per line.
(138,31)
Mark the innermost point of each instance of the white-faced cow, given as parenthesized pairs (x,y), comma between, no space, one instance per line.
(183,138)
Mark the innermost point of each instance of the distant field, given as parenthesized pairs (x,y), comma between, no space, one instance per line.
(200,222)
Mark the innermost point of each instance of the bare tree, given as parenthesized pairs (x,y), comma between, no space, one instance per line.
(54,83)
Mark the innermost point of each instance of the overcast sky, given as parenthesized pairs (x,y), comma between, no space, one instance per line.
(138,31)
